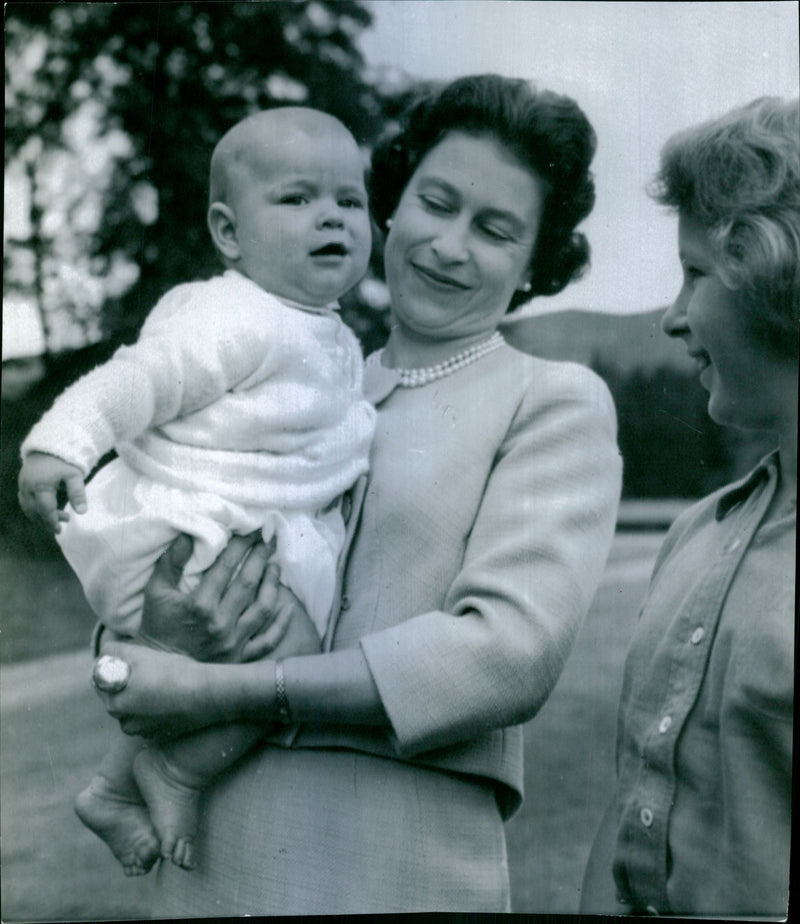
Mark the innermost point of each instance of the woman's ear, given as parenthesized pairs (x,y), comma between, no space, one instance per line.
(222,226)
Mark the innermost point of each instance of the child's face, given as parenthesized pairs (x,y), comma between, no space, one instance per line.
(302,221)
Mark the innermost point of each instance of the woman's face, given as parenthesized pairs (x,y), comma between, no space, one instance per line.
(462,238)
(745,380)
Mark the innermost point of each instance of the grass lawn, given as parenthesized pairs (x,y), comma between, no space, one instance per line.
(54,732)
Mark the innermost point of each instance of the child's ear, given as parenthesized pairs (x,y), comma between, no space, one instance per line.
(222,225)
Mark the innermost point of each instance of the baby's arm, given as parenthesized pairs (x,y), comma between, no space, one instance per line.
(181,363)
(39,481)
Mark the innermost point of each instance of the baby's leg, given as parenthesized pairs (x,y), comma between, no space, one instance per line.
(112,807)
(172,776)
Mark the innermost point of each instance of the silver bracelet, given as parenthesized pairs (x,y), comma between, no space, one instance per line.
(280,691)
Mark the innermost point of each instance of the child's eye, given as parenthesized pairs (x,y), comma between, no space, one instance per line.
(294,199)
(351,202)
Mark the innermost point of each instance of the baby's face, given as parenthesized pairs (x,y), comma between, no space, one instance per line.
(301,215)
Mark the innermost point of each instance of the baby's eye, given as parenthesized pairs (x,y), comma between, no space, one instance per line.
(294,199)
(352,202)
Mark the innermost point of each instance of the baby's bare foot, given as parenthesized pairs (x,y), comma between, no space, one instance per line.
(173,805)
(122,823)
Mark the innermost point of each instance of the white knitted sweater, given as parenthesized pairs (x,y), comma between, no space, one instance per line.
(228,390)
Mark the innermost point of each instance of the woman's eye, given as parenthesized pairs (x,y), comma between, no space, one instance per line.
(692,273)
(435,205)
(497,234)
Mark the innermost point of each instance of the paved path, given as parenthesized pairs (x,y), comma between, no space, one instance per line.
(54,732)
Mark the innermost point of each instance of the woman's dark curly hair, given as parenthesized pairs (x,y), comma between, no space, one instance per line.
(549,134)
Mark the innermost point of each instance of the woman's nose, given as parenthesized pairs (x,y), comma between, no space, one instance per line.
(450,244)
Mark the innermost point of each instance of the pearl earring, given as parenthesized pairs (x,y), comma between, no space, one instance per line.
(388,223)
(526,287)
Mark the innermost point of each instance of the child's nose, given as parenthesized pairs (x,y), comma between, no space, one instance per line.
(331,215)
(673,322)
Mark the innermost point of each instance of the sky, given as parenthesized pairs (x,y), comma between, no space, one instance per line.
(640,71)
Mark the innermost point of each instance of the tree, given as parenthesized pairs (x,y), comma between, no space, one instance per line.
(140,92)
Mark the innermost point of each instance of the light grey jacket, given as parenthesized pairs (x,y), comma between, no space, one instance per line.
(477,545)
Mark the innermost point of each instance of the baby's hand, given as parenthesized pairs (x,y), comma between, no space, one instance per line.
(39,480)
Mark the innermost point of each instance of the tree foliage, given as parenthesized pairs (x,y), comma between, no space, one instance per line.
(171,78)
(670,445)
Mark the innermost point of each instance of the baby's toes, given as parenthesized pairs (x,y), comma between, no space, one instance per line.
(134,868)
(183,854)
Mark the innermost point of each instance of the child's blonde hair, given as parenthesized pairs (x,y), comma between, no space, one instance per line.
(739,175)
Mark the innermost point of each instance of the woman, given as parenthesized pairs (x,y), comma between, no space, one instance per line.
(700,823)
(479,543)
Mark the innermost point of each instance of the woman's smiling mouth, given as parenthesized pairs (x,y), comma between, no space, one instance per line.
(438,279)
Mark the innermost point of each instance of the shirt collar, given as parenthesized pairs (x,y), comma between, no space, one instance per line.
(313,309)
(766,470)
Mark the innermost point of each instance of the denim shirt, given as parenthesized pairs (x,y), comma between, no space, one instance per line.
(704,752)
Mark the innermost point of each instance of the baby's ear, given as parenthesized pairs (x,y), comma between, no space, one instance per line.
(222,226)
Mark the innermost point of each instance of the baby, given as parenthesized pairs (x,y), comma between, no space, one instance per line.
(239,408)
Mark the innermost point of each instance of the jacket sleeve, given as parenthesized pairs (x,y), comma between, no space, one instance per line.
(533,562)
(191,351)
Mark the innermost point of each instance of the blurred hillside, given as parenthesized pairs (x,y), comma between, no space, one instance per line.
(670,446)
(624,341)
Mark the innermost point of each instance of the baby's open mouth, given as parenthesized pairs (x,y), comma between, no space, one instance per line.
(330,250)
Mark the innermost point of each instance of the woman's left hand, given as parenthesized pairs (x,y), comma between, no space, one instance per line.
(167,694)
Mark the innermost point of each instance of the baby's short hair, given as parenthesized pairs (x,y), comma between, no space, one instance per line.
(739,175)
(239,146)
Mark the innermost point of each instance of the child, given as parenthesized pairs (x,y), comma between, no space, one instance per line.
(700,822)
(239,408)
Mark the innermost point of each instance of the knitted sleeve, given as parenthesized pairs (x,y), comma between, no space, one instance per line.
(191,351)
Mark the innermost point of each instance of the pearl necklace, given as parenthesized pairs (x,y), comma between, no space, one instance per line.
(414,378)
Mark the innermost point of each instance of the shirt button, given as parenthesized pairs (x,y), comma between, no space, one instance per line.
(664,724)
(646,816)
(345,604)
(697,635)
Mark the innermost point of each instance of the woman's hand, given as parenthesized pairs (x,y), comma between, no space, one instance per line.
(238,612)
(166,694)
